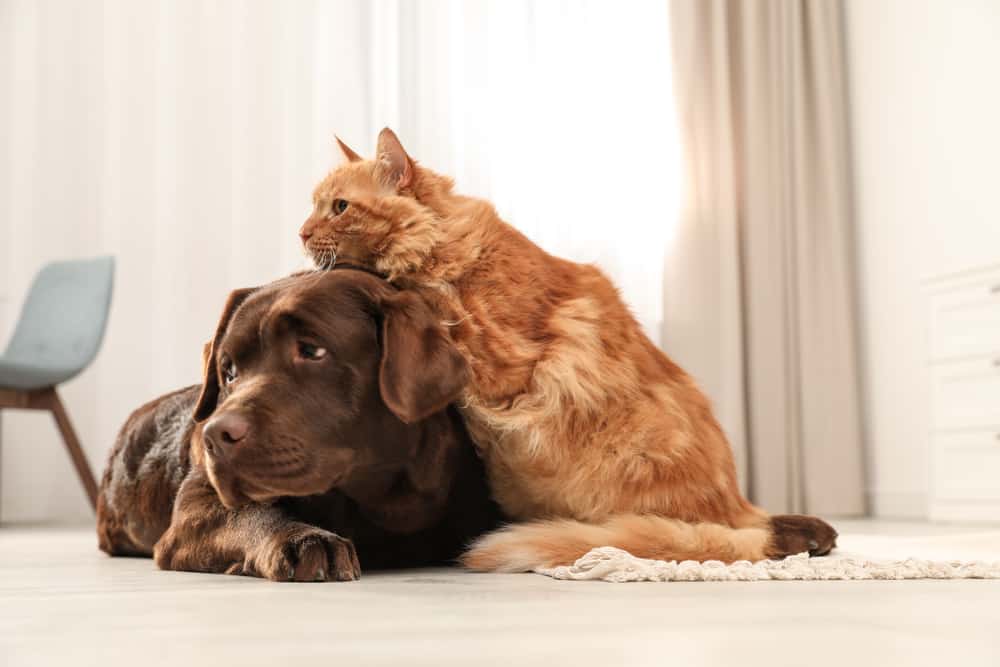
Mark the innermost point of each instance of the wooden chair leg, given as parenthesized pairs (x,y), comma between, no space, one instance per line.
(73,446)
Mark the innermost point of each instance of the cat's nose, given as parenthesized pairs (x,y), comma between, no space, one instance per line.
(306,230)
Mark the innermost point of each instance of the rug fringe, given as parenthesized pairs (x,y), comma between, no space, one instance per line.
(618,566)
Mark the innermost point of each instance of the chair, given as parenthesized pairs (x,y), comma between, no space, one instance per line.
(57,336)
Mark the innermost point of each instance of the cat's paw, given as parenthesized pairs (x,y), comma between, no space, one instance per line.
(309,554)
(794,533)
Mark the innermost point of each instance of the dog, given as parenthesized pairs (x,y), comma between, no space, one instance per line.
(322,438)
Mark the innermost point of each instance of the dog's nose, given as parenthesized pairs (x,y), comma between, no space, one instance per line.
(225,431)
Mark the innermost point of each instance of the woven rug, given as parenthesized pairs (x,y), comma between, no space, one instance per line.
(960,556)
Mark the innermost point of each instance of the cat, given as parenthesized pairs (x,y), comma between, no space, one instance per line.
(590,434)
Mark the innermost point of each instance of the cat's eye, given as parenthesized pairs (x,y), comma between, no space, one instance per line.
(339,206)
(228,372)
(311,352)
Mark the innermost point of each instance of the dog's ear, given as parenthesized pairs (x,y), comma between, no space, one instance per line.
(206,354)
(421,370)
(209,363)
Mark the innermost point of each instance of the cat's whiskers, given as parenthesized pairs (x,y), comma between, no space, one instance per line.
(322,261)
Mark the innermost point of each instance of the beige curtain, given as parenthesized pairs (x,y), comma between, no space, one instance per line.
(759,292)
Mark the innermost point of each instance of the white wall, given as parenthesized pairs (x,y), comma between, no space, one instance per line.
(926,122)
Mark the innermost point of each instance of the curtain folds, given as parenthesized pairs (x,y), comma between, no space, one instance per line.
(759,299)
(562,114)
(184,138)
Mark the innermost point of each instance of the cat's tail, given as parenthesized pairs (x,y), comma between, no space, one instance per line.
(537,544)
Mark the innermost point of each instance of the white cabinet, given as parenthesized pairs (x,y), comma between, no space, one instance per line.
(964,372)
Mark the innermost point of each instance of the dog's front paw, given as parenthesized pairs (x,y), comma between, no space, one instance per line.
(794,533)
(309,554)
(178,549)
(173,552)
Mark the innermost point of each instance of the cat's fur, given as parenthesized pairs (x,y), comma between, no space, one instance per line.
(590,434)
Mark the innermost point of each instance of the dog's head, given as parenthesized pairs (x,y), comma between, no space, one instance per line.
(315,382)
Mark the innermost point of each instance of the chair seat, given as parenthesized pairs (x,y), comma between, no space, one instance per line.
(16,374)
(61,324)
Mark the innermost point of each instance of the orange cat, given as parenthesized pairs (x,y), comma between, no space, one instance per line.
(590,434)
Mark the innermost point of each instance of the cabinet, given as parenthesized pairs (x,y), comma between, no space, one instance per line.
(964,375)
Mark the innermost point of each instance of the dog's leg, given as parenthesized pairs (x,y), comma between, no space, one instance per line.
(256,540)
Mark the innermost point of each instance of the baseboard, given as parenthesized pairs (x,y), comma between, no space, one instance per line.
(968,510)
(894,505)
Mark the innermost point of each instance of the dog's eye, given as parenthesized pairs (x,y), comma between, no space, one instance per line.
(229,373)
(311,352)
(339,206)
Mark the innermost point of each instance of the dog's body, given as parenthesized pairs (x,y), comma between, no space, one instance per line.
(325,473)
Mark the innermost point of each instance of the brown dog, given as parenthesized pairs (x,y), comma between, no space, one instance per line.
(320,436)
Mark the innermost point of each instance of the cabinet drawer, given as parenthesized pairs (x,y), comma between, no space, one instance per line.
(966,394)
(967,466)
(965,320)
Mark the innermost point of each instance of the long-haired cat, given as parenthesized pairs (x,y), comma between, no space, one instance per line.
(590,434)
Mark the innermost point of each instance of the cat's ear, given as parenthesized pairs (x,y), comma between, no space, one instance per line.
(346,150)
(393,166)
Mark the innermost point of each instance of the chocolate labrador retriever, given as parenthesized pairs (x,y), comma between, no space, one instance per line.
(321,435)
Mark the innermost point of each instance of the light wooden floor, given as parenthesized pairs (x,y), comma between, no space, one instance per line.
(64,603)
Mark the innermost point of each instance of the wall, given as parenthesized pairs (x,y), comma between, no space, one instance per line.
(925,107)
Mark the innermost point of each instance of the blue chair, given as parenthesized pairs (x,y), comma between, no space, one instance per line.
(56,338)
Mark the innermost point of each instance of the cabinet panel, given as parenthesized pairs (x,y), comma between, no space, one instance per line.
(966,394)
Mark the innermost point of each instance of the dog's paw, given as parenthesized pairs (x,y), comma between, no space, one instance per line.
(794,533)
(182,551)
(172,553)
(309,554)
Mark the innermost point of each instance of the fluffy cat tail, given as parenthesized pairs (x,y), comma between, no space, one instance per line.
(526,546)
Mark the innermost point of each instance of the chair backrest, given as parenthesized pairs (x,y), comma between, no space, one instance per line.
(64,316)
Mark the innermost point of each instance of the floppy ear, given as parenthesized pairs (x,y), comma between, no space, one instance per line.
(392,165)
(346,150)
(210,384)
(206,354)
(421,370)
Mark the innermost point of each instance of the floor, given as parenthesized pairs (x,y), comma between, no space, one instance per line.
(64,603)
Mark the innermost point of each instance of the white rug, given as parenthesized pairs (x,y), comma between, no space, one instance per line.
(973,555)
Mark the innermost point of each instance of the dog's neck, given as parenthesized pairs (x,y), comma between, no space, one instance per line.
(414,495)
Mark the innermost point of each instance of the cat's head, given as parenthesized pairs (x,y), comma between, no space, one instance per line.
(375,213)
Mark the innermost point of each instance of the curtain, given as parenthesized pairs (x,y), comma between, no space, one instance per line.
(561,113)
(759,297)
(183,137)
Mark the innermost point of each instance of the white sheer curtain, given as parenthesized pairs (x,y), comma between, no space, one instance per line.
(184,137)
(559,112)
(181,136)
